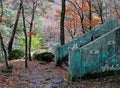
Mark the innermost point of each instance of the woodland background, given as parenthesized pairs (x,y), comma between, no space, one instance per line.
(30,26)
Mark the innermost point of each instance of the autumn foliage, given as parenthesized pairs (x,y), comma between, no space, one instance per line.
(77,17)
(32,33)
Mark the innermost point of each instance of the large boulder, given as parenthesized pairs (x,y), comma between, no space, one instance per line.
(44,56)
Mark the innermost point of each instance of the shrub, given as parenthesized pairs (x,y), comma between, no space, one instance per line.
(15,54)
(45,56)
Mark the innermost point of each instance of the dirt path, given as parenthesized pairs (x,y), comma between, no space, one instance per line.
(48,76)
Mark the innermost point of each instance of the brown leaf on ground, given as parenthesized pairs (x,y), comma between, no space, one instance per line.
(42,75)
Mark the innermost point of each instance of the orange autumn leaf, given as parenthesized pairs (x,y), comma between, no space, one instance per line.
(31,33)
(4,19)
(94,21)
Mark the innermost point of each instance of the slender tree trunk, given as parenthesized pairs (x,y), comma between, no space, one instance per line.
(81,15)
(14,29)
(1,6)
(30,38)
(90,14)
(101,16)
(75,30)
(31,26)
(82,19)
(4,50)
(100,10)
(1,38)
(62,34)
(25,33)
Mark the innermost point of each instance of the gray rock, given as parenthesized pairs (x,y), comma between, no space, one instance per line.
(65,85)
(49,70)
(37,79)
(56,86)
(38,76)
(48,86)
(32,72)
(23,77)
(48,78)
(35,86)
(57,80)
(21,85)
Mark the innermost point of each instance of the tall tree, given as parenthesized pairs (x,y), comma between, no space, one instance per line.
(80,10)
(100,6)
(90,14)
(1,38)
(62,35)
(34,6)
(10,45)
(4,50)
(80,17)
(79,7)
(25,33)
(1,6)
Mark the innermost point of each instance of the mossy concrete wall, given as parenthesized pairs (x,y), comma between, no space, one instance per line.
(92,57)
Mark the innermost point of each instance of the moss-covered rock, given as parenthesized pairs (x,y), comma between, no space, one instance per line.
(15,54)
(45,56)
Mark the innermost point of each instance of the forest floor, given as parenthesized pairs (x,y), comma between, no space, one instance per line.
(48,76)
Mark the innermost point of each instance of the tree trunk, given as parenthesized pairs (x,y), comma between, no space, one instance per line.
(25,33)
(1,38)
(31,26)
(100,10)
(14,29)
(81,15)
(62,35)
(101,16)
(4,50)
(1,6)
(90,14)
(82,19)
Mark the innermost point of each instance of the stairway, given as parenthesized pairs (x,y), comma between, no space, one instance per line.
(86,55)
